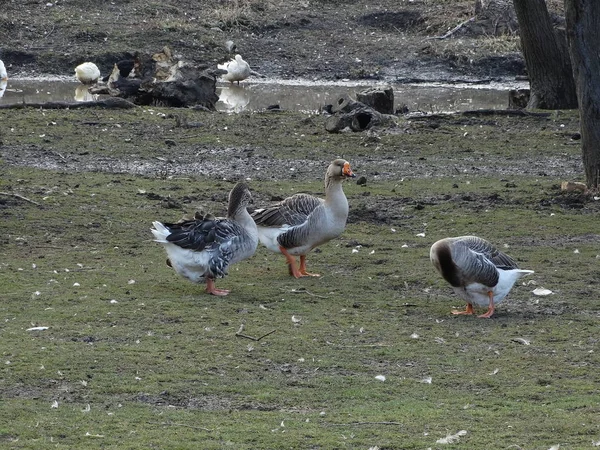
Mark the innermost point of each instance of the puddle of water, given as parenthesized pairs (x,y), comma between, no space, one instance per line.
(294,95)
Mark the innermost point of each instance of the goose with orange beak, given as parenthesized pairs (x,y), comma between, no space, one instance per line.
(298,224)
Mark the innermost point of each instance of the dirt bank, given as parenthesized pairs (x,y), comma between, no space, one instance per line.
(317,39)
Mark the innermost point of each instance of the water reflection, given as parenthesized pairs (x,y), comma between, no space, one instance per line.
(82,94)
(257,96)
(3,85)
(233,98)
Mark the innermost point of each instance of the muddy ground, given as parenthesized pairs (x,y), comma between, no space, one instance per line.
(320,39)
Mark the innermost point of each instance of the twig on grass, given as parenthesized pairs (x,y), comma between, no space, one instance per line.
(173,424)
(304,291)
(453,30)
(363,423)
(240,334)
(10,194)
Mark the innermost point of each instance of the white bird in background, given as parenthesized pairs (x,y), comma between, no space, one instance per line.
(203,248)
(302,222)
(87,73)
(237,69)
(3,74)
(476,270)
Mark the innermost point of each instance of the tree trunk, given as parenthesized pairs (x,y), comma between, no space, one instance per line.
(583,33)
(546,56)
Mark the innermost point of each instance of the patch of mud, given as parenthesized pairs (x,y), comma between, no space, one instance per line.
(402,20)
(237,163)
(203,403)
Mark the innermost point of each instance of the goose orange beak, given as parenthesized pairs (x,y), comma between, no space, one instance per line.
(347,171)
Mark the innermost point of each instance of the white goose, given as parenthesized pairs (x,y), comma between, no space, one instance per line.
(476,270)
(87,73)
(302,222)
(3,74)
(237,69)
(202,249)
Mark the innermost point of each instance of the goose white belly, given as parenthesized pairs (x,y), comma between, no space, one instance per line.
(188,263)
(478,293)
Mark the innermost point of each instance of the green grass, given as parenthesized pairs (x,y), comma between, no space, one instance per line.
(160,365)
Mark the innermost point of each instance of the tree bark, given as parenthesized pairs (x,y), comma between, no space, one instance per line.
(546,56)
(583,34)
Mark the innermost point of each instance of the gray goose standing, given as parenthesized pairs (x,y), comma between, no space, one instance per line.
(476,270)
(302,222)
(203,248)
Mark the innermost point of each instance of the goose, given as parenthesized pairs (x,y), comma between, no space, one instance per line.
(3,74)
(237,69)
(87,73)
(203,248)
(476,270)
(302,222)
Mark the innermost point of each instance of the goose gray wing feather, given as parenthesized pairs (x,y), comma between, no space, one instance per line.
(292,211)
(471,258)
(199,235)
(499,259)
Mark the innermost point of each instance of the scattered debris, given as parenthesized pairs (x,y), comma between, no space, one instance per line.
(522,341)
(571,186)
(541,292)
(451,438)
(37,328)
(380,377)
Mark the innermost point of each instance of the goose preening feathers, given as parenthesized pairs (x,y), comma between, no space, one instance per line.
(203,248)
(3,74)
(476,270)
(87,73)
(237,69)
(302,222)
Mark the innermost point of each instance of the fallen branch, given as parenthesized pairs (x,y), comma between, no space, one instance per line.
(111,103)
(9,194)
(453,30)
(252,338)
(180,425)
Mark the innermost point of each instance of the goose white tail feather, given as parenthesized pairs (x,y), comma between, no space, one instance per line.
(160,232)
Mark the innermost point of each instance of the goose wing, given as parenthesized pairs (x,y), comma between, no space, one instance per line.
(199,235)
(219,238)
(292,211)
(481,246)
(473,257)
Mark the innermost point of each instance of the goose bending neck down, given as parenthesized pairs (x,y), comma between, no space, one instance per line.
(302,222)
(202,249)
(476,270)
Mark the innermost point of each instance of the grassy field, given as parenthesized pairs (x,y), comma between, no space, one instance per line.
(135,357)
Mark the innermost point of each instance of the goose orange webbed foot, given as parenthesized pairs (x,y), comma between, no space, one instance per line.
(468,311)
(211,289)
(303,268)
